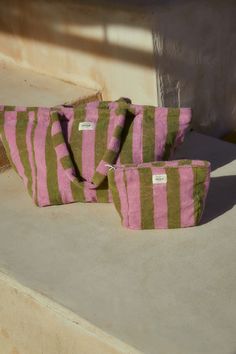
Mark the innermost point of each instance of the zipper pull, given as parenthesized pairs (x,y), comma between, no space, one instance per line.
(111,167)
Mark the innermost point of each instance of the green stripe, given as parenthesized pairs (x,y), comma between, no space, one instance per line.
(184,162)
(146,196)
(58,139)
(9,108)
(21,128)
(172,130)
(4,140)
(158,164)
(66,162)
(51,165)
(126,151)
(101,142)
(102,192)
(173,197)
(114,192)
(76,151)
(148,133)
(28,109)
(118,131)
(110,156)
(200,175)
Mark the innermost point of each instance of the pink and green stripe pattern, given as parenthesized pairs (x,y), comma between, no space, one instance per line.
(60,164)
(38,145)
(176,198)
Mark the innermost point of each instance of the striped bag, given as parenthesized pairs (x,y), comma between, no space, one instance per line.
(160,195)
(67,163)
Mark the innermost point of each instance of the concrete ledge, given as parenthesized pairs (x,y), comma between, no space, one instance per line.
(32,324)
(24,87)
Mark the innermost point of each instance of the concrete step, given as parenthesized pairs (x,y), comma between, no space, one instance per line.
(24,87)
(73,281)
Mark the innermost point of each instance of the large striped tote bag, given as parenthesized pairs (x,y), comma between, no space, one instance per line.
(37,145)
(70,165)
(160,195)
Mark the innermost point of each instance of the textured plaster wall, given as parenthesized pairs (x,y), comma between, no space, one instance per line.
(195,48)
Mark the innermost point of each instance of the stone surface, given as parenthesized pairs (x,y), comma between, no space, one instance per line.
(171,291)
(31,323)
(26,87)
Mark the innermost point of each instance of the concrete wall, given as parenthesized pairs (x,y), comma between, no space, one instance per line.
(196,60)
(164,52)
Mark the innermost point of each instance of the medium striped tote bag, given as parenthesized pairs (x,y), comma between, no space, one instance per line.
(160,195)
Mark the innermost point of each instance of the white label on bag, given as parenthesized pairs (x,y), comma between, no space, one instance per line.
(86,126)
(159,179)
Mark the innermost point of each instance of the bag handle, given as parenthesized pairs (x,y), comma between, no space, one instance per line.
(109,157)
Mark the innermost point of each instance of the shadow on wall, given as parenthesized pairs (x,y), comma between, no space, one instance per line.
(221,197)
(194,44)
(196,60)
(57,22)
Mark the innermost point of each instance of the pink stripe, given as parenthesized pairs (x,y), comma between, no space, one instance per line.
(102,168)
(160,131)
(137,145)
(160,201)
(92,105)
(171,163)
(10,121)
(184,121)
(1,107)
(120,184)
(110,200)
(134,202)
(198,163)
(186,196)
(88,150)
(66,111)
(61,150)
(114,144)
(70,173)
(31,116)
(70,126)
(39,149)
(56,128)
(20,109)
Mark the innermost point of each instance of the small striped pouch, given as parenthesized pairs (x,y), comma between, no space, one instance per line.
(160,195)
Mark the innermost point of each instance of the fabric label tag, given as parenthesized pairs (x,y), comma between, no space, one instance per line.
(86,126)
(159,179)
